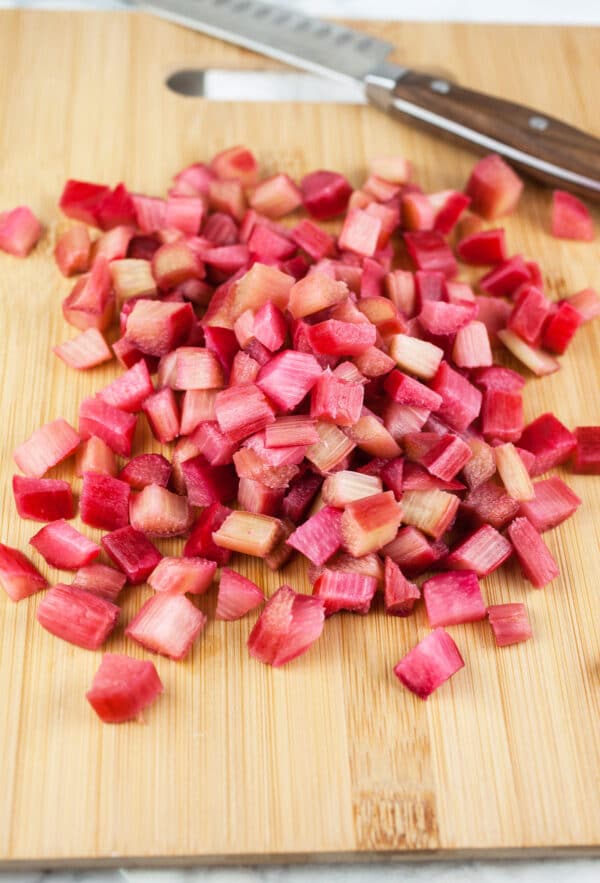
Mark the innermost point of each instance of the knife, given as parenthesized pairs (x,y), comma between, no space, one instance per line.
(546,148)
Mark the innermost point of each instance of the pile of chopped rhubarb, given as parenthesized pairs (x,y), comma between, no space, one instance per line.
(332,391)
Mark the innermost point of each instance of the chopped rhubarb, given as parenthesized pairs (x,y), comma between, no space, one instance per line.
(43,499)
(535,558)
(560,328)
(64,547)
(291,431)
(72,251)
(553,503)
(87,350)
(132,552)
(430,664)
(440,318)
(400,288)
(586,302)
(243,410)
(19,231)
(300,496)
(157,328)
(529,313)
(276,196)
(91,303)
(453,598)
(483,248)
(497,377)
(461,401)
(162,411)
(570,218)
(123,687)
(100,579)
(494,188)
(482,464)
(159,512)
(132,278)
(447,457)
(549,440)
(317,243)
(319,537)
(49,445)
(325,194)
(197,368)
(112,425)
(104,501)
(483,552)
(510,623)
(586,458)
(287,627)
(430,251)
(335,338)
(488,503)
(336,400)
(502,415)
(399,594)
(18,577)
(315,292)
(236,162)
(344,487)
(146,469)
(285,379)
(506,278)
(341,590)
(237,595)
(418,357)
(77,616)
(181,576)
(249,533)
(360,232)
(432,511)
(406,391)
(198,406)
(513,472)
(538,362)
(471,348)
(200,542)
(370,523)
(254,496)
(167,624)
(207,484)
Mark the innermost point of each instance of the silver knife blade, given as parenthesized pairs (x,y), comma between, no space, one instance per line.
(310,43)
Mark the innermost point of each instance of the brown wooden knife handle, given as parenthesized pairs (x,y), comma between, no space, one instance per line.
(540,145)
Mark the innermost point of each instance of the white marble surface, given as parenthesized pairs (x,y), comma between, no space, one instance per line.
(539,871)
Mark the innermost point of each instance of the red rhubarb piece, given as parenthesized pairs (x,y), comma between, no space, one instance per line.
(49,445)
(77,616)
(206,484)
(87,350)
(494,188)
(471,348)
(452,598)
(200,542)
(550,442)
(100,579)
(407,391)
(167,624)
(112,425)
(80,200)
(146,469)
(325,194)
(430,251)
(483,248)
(236,162)
(64,547)
(19,231)
(587,453)
(104,501)
(182,576)
(399,594)
(237,595)
(242,411)
(413,552)
(535,558)
(529,313)
(132,552)
(276,197)
(43,499)
(287,627)
(130,390)
(162,412)
(461,401)
(370,523)
(506,278)
(502,415)
(488,503)
(94,455)
(320,536)
(447,457)
(72,251)
(432,511)
(586,302)
(91,303)
(18,577)
(428,665)
(156,327)
(560,328)
(123,687)
(570,218)
(158,512)
(483,552)
(510,623)
(553,503)
(341,590)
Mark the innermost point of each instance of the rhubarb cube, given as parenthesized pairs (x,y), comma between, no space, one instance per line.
(399,594)
(553,503)
(335,338)
(471,348)
(146,469)
(19,231)
(344,487)
(513,472)
(237,595)
(320,536)
(315,292)
(132,552)
(236,162)
(157,328)
(483,248)
(412,551)
(43,499)
(104,501)
(129,391)
(49,445)
(432,511)
(494,188)
(100,579)
(336,400)
(428,665)
(502,415)
(87,350)
(200,542)
(64,547)
(113,426)
(162,411)
(132,278)
(18,577)
(549,440)
(77,616)
(167,624)
(181,576)
(587,453)
(538,362)
(453,598)
(91,303)
(506,278)
(430,251)
(287,627)
(123,687)
(249,533)
(570,218)
(482,552)
(317,243)
(291,431)
(243,410)
(300,496)
(560,328)
(405,390)
(461,401)
(325,194)
(510,623)
(419,357)
(488,503)
(72,251)
(276,196)
(586,302)
(369,524)
(447,457)
(345,591)
(206,484)
(529,313)
(159,512)
(535,558)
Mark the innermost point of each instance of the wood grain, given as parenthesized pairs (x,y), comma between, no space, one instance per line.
(328,757)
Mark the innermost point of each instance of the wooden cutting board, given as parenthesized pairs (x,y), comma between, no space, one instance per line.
(328,757)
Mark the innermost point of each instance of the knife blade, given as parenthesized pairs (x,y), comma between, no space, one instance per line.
(546,148)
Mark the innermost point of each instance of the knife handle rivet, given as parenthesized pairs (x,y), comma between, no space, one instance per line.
(540,124)
(441,86)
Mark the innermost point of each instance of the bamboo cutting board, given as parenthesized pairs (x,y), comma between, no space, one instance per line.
(328,757)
